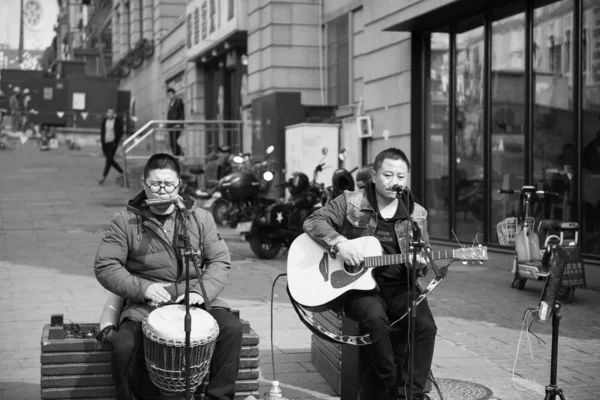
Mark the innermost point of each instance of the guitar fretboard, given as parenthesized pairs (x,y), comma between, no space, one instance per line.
(393,259)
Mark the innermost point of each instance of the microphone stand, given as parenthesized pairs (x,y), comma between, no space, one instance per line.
(185,247)
(412,316)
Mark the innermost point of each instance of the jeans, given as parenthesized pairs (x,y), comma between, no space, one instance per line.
(109,150)
(173,138)
(374,312)
(127,358)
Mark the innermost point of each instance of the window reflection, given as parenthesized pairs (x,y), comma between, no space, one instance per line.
(590,163)
(553,135)
(437,137)
(468,180)
(508,116)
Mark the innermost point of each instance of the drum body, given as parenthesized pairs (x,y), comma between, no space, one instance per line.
(164,347)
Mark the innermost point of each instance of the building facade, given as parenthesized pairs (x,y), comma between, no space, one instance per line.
(481,96)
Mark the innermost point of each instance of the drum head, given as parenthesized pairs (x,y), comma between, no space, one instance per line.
(168,323)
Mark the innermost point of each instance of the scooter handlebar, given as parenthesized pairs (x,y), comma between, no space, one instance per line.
(508,191)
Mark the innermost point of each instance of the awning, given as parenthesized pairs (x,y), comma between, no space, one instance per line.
(429,16)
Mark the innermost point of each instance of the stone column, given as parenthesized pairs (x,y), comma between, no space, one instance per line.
(125,32)
(135,21)
(148,19)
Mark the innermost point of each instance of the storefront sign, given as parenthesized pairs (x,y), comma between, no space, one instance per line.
(219,19)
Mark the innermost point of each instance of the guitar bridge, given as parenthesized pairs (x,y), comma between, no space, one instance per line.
(324,266)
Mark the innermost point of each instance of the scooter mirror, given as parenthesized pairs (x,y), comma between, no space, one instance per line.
(324,151)
(238,159)
(270,149)
(343,154)
(268,176)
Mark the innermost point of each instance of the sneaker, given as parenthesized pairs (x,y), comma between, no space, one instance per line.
(101,181)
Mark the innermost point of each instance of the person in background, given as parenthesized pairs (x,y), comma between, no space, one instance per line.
(111,132)
(175,112)
(15,109)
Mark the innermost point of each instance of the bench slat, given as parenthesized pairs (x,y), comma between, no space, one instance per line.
(104,356)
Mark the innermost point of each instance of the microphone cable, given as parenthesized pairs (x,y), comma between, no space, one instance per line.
(529,313)
(272,300)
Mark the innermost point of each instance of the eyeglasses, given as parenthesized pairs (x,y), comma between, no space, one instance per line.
(168,187)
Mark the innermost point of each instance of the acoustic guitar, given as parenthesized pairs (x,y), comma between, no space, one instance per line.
(315,279)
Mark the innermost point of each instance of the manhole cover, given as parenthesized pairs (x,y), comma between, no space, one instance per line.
(453,389)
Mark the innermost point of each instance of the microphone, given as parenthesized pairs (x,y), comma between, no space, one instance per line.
(398,188)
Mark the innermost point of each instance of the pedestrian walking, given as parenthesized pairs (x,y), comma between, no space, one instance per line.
(176,112)
(111,132)
(15,109)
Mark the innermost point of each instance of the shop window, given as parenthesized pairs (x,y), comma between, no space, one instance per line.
(590,155)
(468,161)
(508,116)
(553,136)
(437,138)
(338,61)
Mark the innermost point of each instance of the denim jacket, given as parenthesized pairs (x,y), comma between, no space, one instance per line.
(350,216)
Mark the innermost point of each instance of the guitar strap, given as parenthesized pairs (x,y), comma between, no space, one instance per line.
(354,340)
(322,332)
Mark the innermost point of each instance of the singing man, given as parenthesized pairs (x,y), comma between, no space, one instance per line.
(376,211)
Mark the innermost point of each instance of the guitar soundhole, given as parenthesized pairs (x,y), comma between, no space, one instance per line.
(354,270)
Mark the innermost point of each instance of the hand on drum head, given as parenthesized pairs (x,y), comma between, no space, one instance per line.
(157,293)
(195,299)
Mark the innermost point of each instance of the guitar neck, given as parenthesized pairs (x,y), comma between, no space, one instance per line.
(393,259)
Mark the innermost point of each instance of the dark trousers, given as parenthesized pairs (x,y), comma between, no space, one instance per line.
(128,357)
(374,312)
(173,137)
(109,150)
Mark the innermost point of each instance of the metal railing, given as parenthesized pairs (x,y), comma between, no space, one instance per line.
(198,139)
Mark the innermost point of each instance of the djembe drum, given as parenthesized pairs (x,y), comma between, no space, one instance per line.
(164,347)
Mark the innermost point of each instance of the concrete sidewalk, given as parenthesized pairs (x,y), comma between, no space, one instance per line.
(53,215)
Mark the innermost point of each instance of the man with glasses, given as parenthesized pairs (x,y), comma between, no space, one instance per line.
(138,260)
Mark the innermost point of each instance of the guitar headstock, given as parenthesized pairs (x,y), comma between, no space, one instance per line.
(476,253)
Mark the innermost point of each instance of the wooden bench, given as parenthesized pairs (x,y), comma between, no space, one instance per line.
(342,366)
(80,368)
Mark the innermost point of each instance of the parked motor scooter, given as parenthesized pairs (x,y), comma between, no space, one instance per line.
(210,199)
(520,231)
(247,187)
(277,225)
(341,180)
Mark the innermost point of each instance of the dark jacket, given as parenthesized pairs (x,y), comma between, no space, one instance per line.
(351,216)
(118,130)
(15,104)
(135,252)
(176,109)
